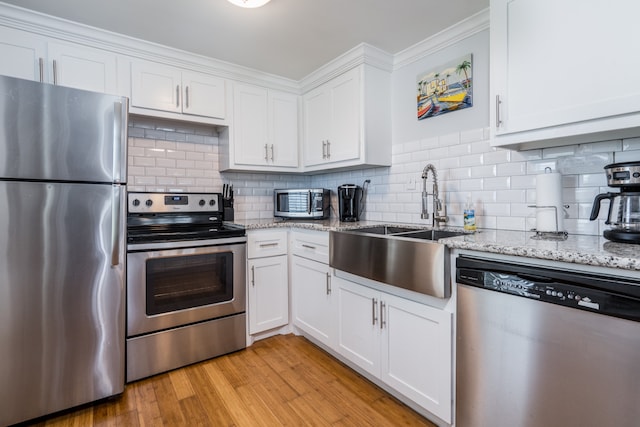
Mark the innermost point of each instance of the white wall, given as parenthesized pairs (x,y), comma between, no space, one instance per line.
(168,156)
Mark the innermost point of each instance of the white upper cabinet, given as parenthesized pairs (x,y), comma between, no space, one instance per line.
(166,88)
(347,121)
(29,56)
(563,71)
(264,135)
(83,67)
(23,54)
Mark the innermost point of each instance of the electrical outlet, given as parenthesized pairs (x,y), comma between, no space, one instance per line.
(411,184)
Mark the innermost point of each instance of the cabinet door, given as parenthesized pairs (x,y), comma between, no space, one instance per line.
(203,95)
(312,293)
(268,293)
(317,122)
(283,129)
(359,325)
(155,86)
(83,67)
(416,353)
(344,141)
(558,63)
(250,129)
(23,54)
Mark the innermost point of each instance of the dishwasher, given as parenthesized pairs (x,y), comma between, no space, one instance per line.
(540,346)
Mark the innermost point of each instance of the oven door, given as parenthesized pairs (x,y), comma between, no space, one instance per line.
(167,288)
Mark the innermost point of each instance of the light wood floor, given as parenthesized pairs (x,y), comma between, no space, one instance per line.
(283,380)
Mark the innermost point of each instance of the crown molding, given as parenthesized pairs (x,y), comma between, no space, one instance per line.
(361,54)
(445,38)
(70,31)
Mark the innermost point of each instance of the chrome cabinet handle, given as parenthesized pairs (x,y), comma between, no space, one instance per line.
(374,311)
(498,121)
(41,66)
(328,149)
(55,72)
(177,96)
(328,284)
(268,245)
(309,247)
(324,149)
(253,276)
(266,153)
(186,102)
(382,321)
(272,152)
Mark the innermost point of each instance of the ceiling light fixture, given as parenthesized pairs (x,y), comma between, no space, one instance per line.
(249,3)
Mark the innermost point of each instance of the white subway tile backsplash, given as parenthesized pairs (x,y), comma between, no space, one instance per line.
(168,156)
(631,144)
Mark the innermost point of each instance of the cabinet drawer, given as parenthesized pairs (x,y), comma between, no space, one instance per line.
(266,243)
(311,244)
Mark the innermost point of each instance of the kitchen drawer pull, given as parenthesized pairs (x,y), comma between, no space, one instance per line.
(374,307)
(41,66)
(266,153)
(382,321)
(324,149)
(55,72)
(253,276)
(313,248)
(498,121)
(177,96)
(272,152)
(186,103)
(328,284)
(268,245)
(328,149)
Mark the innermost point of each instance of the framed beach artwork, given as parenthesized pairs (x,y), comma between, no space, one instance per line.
(446,88)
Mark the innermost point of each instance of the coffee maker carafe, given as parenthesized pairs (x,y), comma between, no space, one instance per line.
(624,207)
(349,202)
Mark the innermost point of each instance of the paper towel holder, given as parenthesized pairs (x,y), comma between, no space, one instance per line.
(550,235)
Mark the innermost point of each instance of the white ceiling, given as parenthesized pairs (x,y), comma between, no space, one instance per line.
(289,38)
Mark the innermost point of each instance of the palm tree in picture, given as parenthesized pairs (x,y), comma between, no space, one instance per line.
(463,67)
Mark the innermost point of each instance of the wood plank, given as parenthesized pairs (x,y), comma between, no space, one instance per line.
(279,381)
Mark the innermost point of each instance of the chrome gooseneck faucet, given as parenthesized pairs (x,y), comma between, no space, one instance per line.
(439,210)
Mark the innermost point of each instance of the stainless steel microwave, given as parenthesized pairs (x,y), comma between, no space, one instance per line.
(308,203)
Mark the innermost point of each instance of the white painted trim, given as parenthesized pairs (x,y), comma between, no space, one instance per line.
(62,29)
(362,54)
(445,38)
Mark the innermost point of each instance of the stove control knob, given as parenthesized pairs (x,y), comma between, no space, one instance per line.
(212,202)
(135,202)
(149,202)
(201,203)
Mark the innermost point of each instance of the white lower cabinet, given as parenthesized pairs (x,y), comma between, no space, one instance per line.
(406,344)
(313,299)
(268,293)
(267,277)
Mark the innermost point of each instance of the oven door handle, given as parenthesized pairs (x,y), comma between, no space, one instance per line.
(116,225)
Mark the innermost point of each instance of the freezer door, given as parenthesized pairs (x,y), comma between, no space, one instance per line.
(55,133)
(62,301)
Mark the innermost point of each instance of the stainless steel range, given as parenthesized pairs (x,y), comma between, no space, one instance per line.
(185,282)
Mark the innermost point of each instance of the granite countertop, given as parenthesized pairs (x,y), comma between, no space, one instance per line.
(576,249)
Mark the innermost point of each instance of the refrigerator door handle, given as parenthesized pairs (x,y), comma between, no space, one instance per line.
(115,225)
(120,123)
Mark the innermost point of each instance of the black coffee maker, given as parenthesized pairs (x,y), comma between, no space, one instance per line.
(624,206)
(349,202)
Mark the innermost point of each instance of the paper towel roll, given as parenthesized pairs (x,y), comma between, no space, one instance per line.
(549,193)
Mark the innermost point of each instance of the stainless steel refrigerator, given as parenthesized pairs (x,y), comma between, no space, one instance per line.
(62,250)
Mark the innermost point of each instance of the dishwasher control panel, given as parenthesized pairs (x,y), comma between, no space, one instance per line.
(546,286)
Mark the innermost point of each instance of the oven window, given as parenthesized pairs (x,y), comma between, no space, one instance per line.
(187,281)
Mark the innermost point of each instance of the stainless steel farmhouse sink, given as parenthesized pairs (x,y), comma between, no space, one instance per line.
(408,258)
